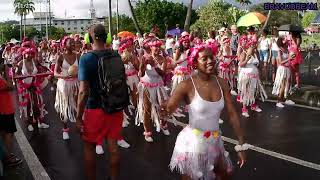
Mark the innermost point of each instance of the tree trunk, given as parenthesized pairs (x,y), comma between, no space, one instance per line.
(134,18)
(188,17)
(117,16)
(24,26)
(110,18)
(21,19)
(267,20)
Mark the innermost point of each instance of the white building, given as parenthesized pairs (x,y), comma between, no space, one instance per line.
(70,25)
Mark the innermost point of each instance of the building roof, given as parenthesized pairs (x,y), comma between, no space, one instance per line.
(76,19)
(316,20)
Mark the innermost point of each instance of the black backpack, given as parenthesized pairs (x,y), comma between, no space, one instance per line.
(114,91)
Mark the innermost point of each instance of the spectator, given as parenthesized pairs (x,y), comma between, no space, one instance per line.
(264,47)
(115,43)
(274,53)
(169,45)
(7,121)
(234,39)
(91,119)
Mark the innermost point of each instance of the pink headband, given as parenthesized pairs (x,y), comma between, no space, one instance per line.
(64,41)
(155,43)
(194,52)
(30,51)
(125,43)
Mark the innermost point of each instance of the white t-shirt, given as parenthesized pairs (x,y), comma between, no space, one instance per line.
(264,44)
(274,46)
(115,45)
(169,43)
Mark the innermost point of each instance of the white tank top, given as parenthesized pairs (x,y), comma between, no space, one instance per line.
(65,66)
(204,115)
(25,72)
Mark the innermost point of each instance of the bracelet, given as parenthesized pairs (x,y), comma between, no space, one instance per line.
(243,147)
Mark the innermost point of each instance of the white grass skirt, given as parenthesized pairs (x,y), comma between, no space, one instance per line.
(283,75)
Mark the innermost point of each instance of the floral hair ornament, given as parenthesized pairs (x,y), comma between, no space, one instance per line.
(29,51)
(194,52)
(125,43)
(155,43)
(226,40)
(64,41)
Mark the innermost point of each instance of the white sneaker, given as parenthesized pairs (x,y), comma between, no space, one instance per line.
(280,105)
(165,132)
(65,136)
(125,123)
(289,102)
(257,109)
(30,128)
(52,88)
(233,92)
(245,114)
(122,143)
(221,121)
(148,139)
(43,126)
(99,149)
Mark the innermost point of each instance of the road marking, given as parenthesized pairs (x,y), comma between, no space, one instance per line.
(265,151)
(296,105)
(37,170)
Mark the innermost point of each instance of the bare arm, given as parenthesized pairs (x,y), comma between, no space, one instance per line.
(234,119)
(178,95)
(82,100)
(57,69)
(243,59)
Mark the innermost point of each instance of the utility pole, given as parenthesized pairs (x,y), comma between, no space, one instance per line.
(110,18)
(117,16)
(47,35)
(50,14)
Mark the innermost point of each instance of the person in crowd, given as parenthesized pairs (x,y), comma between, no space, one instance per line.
(295,40)
(249,84)
(212,38)
(7,117)
(282,83)
(274,53)
(115,43)
(151,90)
(91,119)
(234,39)
(199,152)
(170,44)
(67,86)
(29,90)
(264,48)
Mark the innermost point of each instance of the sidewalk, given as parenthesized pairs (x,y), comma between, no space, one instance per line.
(21,172)
(307,95)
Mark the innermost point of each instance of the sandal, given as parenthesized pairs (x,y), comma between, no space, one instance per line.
(12,160)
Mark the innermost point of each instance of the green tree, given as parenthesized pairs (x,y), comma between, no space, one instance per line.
(125,24)
(213,15)
(308,17)
(161,13)
(23,8)
(32,32)
(8,31)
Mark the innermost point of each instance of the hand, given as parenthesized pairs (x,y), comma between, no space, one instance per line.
(242,158)
(79,125)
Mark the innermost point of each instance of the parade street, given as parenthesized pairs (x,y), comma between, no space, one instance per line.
(285,140)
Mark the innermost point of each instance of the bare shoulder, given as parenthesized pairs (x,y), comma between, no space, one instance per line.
(223,83)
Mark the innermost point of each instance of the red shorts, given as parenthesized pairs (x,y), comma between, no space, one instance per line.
(98,125)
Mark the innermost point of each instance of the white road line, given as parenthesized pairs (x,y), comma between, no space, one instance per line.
(296,105)
(265,151)
(37,170)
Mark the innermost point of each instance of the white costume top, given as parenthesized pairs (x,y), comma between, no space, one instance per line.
(25,72)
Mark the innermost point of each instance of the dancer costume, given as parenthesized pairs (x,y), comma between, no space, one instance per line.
(153,83)
(181,72)
(227,69)
(65,103)
(283,75)
(28,91)
(132,75)
(249,84)
(199,146)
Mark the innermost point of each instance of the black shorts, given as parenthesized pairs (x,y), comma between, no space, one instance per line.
(7,123)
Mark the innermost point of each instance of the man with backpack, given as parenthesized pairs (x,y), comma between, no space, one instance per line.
(103,94)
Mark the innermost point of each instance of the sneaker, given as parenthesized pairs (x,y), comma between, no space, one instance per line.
(245,114)
(220,121)
(289,102)
(52,89)
(65,136)
(233,92)
(99,149)
(122,143)
(257,109)
(280,105)
(165,132)
(43,126)
(148,139)
(30,128)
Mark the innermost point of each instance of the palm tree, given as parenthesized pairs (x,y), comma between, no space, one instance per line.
(134,18)
(23,8)
(19,10)
(188,17)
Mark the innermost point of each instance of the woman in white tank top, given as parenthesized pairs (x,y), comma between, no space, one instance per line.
(199,152)
(67,85)
(29,91)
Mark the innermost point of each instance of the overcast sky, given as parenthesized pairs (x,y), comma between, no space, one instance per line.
(79,8)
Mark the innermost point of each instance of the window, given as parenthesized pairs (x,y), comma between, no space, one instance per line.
(75,28)
(69,29)
(82,28)
(55,23)
(74,22)
(81,21)
(62,23)
(68,22)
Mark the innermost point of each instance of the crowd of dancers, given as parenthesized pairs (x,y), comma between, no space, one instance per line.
(167,80)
